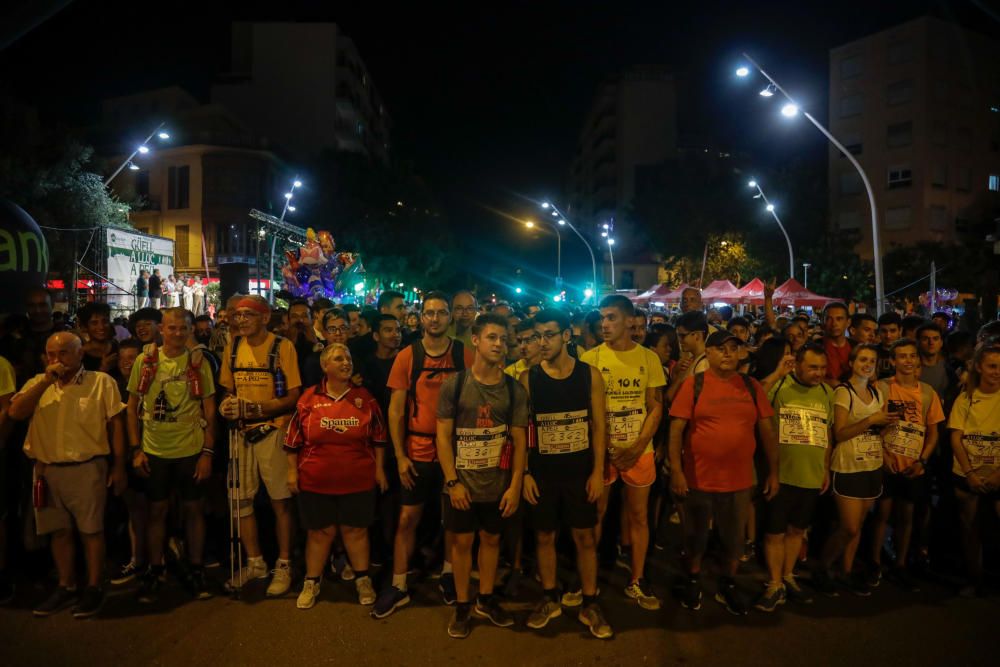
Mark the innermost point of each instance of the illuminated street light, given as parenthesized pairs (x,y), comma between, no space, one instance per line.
(529,224)
(517,290)
(133,166)
(767,92)
(163,135)
(752,184)
(288,195)
(296,183)
(770,209)
(291,209)
(141,148)
(558,214)
(791,108)
(545,204)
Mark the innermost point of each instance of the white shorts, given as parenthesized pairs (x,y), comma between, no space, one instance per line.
(264,460)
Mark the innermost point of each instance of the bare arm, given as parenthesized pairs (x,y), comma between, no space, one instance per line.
(132,414)
(397,427)
(446,455)
(598,421)
(769,440)
(654,412)
(208,412)
(960,454)
(23,404)
(842,431)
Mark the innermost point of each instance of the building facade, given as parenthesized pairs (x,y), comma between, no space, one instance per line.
(919,106)
(304,87)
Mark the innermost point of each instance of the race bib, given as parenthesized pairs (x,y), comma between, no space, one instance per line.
(867,447)
(905,439)
(624,425)
(983,449)
(562,432)
(479,448)
(803,426)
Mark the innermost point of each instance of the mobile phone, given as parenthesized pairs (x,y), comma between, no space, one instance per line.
(896,406)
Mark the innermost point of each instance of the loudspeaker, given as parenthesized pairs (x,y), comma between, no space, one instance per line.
(234,278)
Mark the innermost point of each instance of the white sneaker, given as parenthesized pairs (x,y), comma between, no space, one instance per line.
(254,569)
(310,591)
(366,592)
(281,579)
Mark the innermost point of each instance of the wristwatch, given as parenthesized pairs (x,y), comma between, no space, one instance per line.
(451,483)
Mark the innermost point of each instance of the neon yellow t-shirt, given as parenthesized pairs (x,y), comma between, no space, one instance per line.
(978,419)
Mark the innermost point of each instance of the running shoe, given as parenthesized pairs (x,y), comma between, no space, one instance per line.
(544,612)
(149,588)
(873,576)
(198,584)
(858,585)
(254,569)
(729,597)
(795,593)
(490,608)
(771,598)
(310,591)
(366,592)
(281,579)
(90,603)
(461,622)
(60,598)
(690,593)
(572,598)
(823,582)
(389,601)
(446,584)
(340,565)
(641,592)
(127,573)
(593,618)
(749,551)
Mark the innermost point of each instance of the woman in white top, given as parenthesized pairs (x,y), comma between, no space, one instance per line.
(187,292)
(170,292)
(975,440)
(858,415)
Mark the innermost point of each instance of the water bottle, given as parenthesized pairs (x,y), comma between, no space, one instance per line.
(194,378)
(148,372)
(280,386)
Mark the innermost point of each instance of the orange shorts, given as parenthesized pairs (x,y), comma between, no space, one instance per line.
(643,473)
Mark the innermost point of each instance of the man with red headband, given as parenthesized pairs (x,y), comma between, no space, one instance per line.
(260,378)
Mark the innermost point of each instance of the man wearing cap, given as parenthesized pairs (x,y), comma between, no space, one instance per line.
(76,422)
(260,376)
(714,416)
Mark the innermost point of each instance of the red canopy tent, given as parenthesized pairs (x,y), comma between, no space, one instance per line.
(720,290)
(792,293)
(753,293)
(675,295)
(655,293)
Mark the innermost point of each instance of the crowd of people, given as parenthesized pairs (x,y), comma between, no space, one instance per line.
(461,436)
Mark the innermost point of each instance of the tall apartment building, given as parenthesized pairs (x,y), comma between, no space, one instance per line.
(305,88)
(919,105)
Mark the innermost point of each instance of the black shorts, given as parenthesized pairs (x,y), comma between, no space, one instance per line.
(427,486)
(962,484)
(865,485)
(322,510)
(907,489)
(166,475)
(793,506)
(562,501)
(480,516)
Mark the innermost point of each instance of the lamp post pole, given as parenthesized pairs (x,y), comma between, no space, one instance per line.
(593,262)
(134,153)
(771,209)
(805,273)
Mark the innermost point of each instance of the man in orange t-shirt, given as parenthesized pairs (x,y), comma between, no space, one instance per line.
(715,414)
(412,426)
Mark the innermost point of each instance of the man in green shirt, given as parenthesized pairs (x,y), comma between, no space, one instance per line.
(803,408)
(171,426)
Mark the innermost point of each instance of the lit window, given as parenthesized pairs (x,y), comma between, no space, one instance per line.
(994,183)
(900,177)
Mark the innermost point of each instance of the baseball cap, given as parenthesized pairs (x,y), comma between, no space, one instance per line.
(720,338)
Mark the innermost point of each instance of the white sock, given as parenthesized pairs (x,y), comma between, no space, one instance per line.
(446,568)
(399,581)
(254,560)
(282,562)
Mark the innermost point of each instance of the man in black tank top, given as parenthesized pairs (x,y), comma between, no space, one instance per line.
(565,475)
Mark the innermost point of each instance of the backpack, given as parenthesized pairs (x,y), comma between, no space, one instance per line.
(699,384)
(417,367)
(272,364)
(509,383)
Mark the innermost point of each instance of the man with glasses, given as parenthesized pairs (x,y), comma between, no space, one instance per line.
(692,329)
(335,327)
(415,380)
(527,344)
(465,309)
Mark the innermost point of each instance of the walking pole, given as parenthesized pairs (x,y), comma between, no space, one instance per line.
(235,532)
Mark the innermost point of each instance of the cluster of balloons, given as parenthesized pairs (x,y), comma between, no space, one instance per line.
(317,270)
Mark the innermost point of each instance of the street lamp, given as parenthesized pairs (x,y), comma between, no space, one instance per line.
(296,183)
(791,108)
(563,219)
(141,148)
(530,224)
(608,228)
(805,274)
(770,209)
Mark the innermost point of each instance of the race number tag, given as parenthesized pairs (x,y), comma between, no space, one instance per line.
(803,426)
(479,448)
(905,439)
(624,425)
(562,432)
(983,449)
(867,447)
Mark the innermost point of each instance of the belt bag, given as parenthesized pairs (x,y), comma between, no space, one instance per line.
(258,433)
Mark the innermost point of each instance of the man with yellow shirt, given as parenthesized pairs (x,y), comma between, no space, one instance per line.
(260,376)
(634,381)
(529,347)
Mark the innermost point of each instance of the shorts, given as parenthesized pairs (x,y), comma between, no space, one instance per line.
(962,484)
(77,494)
(643,473)
(322,510)
(480,516)
(907,489)
(727,509)
(562,501)
(264,460)
(427,487)
(865,485)
(793,506)
(165,475)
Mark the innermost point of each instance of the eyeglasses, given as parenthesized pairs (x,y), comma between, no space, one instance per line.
(434,314)
(245,315)
(550,335)
(527,340)
(464,309)
(336,330)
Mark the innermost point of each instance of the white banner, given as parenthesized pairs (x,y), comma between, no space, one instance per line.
(128,254)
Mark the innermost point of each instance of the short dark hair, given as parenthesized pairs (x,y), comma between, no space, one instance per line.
(592,321)
(383,317)
(620,302)
(912,321)
(435,295)
(298,302)
(334,314)
(958,340)
(350,308)
(738,322)
(942,313)
(526,324)
(321,303)
(203,318)
(130,344)
(92,309)
(890,318)
(836,304)
(988,329)
(800,354)
(486,319)
(639,312)
(387,297)
(929,326)
(858,318)
(693,320)
(902,342)
(547,315)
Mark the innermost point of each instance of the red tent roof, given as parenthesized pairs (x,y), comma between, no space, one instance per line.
(654,293)
(792,293)
(753,292)
(674,296)
(720,290)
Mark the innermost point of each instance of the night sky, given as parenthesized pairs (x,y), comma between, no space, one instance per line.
(488,104)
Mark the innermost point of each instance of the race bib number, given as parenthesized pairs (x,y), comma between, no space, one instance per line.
(867,447)
(905,439)
(803,426)
(624,425)
(983,449)
(479,448)
(562,432)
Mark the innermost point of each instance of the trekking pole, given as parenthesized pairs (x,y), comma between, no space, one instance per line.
(235,541)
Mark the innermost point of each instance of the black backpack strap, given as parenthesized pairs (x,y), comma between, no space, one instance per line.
(509,381)
(457,354)
(699,384)
(750,388)
(272,354)
(781,383)
(232,356)
(416,368)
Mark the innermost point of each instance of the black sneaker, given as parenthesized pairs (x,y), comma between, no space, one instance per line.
(461,622)
(823,583)
(60,598)
(446,584)
(149,588)
(490,608)
(858,585)
(90,602)
(795,593)
(873,577)
(730,598)
(127,573)
(198,584)
(690,593)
